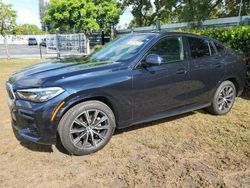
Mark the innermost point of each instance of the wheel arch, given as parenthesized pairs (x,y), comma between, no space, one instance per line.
(235,82)
(77,100)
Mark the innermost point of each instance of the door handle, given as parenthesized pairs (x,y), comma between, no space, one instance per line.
(181,71)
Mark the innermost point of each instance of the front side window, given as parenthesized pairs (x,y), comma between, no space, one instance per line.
(198,47)
(170,49)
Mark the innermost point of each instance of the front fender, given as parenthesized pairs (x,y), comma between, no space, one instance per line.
(121,108)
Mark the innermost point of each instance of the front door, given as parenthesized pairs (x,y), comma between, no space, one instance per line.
(160,88)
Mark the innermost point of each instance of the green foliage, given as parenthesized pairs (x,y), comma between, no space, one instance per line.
(108,13)
(97,47)
(231,8)
(237,38)
(142,12)
(27,29)
(82,15)
(146,12)
(7,18)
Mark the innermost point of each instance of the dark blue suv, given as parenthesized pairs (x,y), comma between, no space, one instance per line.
(137,78)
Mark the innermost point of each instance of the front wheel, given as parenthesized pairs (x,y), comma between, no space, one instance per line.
(86,127)
(223,99)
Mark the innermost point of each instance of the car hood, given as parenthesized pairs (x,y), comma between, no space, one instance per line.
(48,73)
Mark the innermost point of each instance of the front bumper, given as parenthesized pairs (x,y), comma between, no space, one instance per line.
(32,121)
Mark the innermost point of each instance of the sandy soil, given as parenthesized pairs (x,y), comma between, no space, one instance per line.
(192,150)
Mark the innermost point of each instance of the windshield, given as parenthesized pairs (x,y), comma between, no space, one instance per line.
(123,49)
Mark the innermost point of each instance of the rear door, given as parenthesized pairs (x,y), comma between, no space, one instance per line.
(206,69)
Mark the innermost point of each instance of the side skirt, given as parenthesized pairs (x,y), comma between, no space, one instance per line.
(169,113)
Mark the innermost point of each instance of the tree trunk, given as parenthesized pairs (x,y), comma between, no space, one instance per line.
(6,47)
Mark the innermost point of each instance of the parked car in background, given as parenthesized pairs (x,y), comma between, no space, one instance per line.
(32,41)
(138,78)
(43,42)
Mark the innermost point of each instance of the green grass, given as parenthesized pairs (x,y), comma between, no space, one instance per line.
(17,63)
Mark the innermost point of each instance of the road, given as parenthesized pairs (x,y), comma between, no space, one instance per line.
(25,51)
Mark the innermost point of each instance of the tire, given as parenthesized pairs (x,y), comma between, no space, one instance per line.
(223,99)
(86,127)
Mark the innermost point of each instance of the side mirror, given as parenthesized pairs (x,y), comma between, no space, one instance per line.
(153,60)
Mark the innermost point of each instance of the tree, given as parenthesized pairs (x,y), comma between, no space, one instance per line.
(108,13)
(7,22)
(146,12)
(165,10)
(82,15)
(27,29)
(142,11)
(228,8)
(193,10)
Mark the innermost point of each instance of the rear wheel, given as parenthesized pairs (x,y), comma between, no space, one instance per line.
(224,99)
(86,127)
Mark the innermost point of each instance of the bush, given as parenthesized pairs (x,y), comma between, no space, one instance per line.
(237,38)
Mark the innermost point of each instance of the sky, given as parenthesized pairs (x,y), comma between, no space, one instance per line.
(28,12)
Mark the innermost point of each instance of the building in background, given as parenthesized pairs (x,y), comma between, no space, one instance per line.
(42,7)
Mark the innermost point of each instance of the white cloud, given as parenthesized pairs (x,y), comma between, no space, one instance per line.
(27,16)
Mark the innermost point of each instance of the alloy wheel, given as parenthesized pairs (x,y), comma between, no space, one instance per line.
(226,98)
(89,129)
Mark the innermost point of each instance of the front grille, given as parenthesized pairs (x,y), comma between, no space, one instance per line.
(10,91)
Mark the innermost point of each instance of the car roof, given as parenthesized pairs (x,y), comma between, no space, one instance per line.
(169,33)
(176,33)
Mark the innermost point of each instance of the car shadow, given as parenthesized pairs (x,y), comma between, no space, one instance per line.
(246,95)
(154,123)
(37,147)
(44,148)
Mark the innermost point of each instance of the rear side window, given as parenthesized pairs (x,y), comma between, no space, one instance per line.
(198,47)
(219,47)
(170,49)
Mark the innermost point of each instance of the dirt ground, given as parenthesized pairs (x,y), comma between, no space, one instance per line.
(191,150)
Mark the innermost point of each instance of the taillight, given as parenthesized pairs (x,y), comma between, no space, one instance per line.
(245,59)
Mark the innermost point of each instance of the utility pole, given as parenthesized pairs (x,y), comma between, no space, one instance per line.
(240,17)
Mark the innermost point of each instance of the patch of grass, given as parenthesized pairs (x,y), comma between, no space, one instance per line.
(17,63)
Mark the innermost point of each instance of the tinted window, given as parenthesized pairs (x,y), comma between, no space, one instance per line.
(170,49)
(219,47)
(198,47)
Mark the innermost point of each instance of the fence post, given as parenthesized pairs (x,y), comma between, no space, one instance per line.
(57,45)
(86,44)
(40,47)
(103,38)
(79,43)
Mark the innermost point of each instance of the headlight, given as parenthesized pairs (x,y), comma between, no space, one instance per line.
(39,94)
